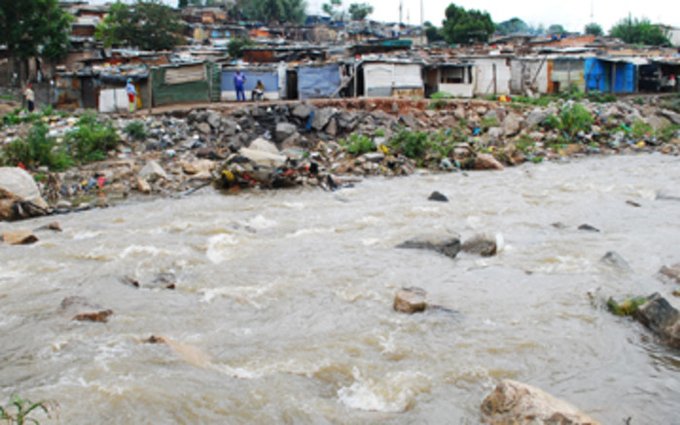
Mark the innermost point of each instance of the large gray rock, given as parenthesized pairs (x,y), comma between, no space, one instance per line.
(229,127)
(302,111)
(322,117)
(153,171)
(444,243)
(536,117)
(512,125)
(214,119)
(263,158)
(485,161)
(263,145)
(660,317)
(495,134)
(481,245)
(18,191)
(673,116)
(284,130)
(516,403)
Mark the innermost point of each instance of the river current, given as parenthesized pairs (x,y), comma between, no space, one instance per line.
(283,307)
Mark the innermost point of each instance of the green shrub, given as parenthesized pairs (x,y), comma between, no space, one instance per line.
(551,122)
(575,118)
(358,144)
(379,132)
(91,139)
(24,408)
(38,150)
(136,130)
(599,97)
(641,130)
(412,144)
(626,307)
(440,95)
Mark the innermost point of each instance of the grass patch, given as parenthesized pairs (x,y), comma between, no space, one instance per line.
(358,144)
(91,139)
(136,130)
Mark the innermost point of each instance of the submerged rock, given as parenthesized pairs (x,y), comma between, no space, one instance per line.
(516,403)
(438,197)
(410,300)
(54,227)
(85,311)
(660,317)
(481,245)
(19,237)
(588,228)
(101,316)
(672,272)
(446,244)
(613,259)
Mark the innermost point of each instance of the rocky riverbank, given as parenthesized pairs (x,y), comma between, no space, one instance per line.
(325,144)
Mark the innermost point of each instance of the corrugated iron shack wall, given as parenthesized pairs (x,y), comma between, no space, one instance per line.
(270,79)
(492,76)
(186,88)
(529,73)
(568,73)
(316,82)
(393,79)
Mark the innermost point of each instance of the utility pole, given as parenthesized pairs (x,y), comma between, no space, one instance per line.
(422,22)
(401,8)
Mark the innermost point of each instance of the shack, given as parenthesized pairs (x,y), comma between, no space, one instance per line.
(492,76)
(566,73)
(185,83)
(659,75)
(530,75)
(611,75)
(320,81)
(391,77)
(455,79)
(272,76)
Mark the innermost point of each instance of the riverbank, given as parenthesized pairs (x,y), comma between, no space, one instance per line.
(326,144)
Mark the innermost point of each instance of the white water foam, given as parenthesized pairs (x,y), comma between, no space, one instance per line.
(395,394)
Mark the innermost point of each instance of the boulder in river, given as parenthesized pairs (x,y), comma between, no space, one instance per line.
(19,237)
(481,245)
(660,317)
(485,161)
(615,260)
(54,227)
(438,197)
(516,403)
(84,311)
(410,300)
(672,272)
(588,228)
(19,195)
(443,243)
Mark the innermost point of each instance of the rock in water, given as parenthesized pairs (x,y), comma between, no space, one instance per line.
(660,317)
(588,228)
(446,244)
(516,403)
(672,272)
(101,316)
(438,197)
(20,237)
(54,226)
(480,245)
(18,188)
(614,259)
(410,300)
(484,161)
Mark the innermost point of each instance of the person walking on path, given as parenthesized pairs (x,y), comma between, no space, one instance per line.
(239,85)
(29,94)
(132,94)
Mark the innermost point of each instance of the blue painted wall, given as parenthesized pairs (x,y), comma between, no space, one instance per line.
(599,76)
(316,82)
(270,79)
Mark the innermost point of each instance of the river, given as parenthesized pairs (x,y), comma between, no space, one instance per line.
(283,307)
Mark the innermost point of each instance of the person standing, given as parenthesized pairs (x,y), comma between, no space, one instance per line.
(239,85)
(132,94)
(29,94)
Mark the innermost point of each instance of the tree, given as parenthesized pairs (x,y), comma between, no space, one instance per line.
(334,10)
(556,29)
(32,28)
(274,11)
(466,26)
(593,29)
(639,31)
(147,25)
(432,33)
(512,26)
(359,11)
(236,46)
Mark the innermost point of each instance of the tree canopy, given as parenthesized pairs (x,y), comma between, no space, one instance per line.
(274,11)
(359,11)
(556,29)
(512,26)
(593,29)
(34,28)
(432,33)
(334,9)
(466,26)
(148,25)
(639,31)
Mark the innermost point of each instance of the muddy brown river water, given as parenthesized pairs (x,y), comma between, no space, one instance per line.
(283,307)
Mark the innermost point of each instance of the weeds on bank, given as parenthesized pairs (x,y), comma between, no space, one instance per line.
(20,410)
(358,144)
(136,130)
(572,120)
(88,142)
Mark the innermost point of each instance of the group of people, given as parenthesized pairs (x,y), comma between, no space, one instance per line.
(240,84)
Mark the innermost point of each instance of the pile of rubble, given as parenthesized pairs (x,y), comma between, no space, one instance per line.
(288,144)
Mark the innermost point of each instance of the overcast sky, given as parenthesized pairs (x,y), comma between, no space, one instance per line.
(573,15)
